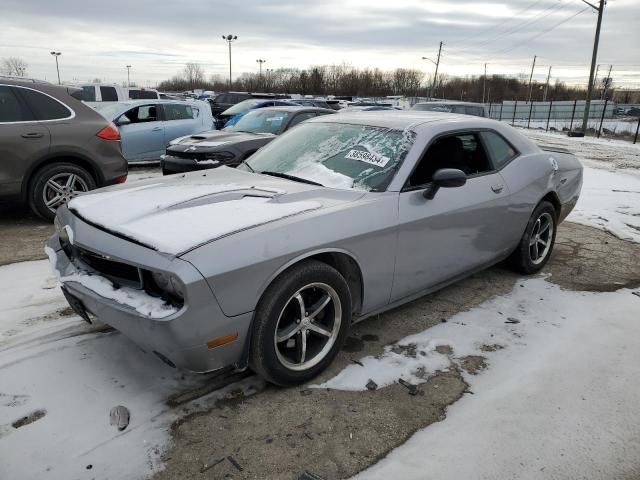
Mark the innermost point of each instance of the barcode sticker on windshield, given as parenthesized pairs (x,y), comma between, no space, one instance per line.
(368,157)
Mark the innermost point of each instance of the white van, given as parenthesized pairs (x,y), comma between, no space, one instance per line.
(103,92)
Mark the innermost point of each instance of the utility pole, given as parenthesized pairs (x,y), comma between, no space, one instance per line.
(57,54)
(606,84)
(594,58)
(128,76)
(484,82)
(229,38)
(435,76)
(531,77)
(546,87)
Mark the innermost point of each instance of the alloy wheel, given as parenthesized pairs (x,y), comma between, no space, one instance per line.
(540,239)
(308,326)
(61,188)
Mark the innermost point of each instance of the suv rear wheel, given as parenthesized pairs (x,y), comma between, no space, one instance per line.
(56,184)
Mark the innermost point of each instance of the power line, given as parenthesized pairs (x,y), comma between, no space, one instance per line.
(547,30)
(493,27)
(519,26)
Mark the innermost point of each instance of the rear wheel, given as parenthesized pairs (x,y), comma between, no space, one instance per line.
(300,324)
(56,184)
(537,242)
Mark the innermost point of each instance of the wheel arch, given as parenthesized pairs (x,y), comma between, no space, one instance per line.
(73,158)
(553,199)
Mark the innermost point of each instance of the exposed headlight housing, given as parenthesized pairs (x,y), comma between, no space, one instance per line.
(168,285)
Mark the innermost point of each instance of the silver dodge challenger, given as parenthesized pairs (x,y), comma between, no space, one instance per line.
(266,266)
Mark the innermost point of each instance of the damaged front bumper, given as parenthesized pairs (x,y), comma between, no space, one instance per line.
(184,336)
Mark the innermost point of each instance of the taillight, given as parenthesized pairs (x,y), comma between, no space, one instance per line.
(121,179)
(110,132)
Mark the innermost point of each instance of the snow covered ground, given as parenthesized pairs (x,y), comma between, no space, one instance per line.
(64,375)
(58,369)
(558,399)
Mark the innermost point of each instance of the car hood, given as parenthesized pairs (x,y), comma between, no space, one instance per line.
(177,213)
(213,139)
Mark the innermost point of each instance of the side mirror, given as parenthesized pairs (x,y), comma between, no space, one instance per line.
(445,178)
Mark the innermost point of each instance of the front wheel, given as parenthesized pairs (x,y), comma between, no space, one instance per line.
(537,242)
(300,324)
(56,184)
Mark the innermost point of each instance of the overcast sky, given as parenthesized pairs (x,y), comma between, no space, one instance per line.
(158,38)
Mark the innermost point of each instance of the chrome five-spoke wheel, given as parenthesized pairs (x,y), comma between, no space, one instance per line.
(541,238)
(308,326)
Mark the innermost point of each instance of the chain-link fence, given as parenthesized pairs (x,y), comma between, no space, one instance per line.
(567,116)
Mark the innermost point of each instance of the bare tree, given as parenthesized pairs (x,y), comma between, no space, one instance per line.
(194,74)
(14,66)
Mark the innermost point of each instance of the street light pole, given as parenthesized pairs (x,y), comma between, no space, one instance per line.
(484,82)
(128,76)
(229,38)
(435,76)
(531,78)
(594,58)
(57,54)
(260,62)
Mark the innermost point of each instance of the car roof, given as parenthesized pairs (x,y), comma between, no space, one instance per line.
(400,119)
(294,108)
(146,100)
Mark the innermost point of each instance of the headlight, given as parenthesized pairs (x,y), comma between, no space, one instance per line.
(168,284)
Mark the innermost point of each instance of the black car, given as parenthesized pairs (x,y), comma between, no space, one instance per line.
(223,101)
(232,145)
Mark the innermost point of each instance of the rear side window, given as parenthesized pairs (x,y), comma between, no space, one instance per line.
(499,150)
(108,94)
(11,109)
(142,95)
(43,106)
(178,112)
(89,94)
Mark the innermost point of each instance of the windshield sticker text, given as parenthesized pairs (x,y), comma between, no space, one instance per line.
(368,157)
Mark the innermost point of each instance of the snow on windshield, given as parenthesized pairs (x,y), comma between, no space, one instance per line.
(338,155)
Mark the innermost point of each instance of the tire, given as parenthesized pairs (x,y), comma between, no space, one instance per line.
(60,174)
(279,312)
(527,257)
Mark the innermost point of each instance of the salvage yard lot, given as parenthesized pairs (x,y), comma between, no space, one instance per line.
(526,378)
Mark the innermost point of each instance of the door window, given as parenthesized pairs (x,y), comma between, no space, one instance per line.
(43,106)
(499,150)
(301,117)
(89,93)
(176,111)
(141,114)
(11,109)
(462,151)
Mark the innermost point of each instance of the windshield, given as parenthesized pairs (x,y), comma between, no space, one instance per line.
(260,121)
(336,155)
(108,110)
(242,107)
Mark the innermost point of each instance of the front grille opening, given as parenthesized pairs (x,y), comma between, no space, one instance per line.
(121,274)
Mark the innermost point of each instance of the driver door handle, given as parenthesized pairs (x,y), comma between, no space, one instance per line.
(497,188)
(157,129)
(32,135)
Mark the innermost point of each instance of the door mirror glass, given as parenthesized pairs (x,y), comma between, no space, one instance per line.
(445,178)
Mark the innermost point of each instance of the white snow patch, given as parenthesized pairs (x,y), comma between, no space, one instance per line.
(174,231)
(610,201)
(28,298)
(113,207)
(317,172)
(558,402)
(143,303)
